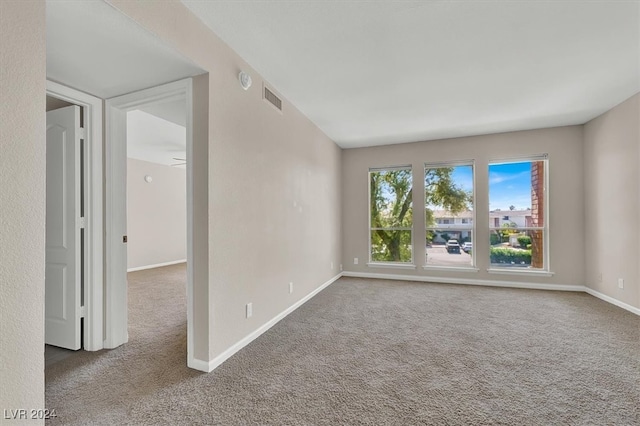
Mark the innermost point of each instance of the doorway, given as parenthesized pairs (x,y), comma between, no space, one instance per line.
(156,186)
(117,110)
(157,224)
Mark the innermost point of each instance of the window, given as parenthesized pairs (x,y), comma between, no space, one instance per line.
(519,240)
(449,193)
(391,215)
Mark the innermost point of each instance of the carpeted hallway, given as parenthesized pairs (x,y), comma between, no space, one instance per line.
(368,352)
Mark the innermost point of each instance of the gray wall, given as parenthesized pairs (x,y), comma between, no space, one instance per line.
(273,188)
(156,214)
(22,203)
(612,201)
(566,198)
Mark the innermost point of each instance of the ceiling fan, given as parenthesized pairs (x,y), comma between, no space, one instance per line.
(182,162)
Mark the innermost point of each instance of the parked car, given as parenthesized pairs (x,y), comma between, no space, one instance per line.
(467,247)
(453,246)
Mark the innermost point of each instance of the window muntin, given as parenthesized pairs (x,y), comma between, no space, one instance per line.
(518,208)
(391,215)
(449,215)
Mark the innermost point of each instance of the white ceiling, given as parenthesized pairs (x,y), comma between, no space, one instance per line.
(96,49)
(154,139)
(174,111)
(381,72)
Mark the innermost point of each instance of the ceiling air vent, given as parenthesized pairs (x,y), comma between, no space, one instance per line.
(273,99)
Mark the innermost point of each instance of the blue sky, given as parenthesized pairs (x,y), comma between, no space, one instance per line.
(509,184)
(463,177)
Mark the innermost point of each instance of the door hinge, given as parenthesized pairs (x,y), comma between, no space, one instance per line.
(83,311)
(82,132)
(83,222)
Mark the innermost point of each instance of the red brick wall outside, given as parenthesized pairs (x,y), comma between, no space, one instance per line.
(537,213)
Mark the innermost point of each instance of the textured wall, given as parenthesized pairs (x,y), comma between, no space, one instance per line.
(273,186)
(22,204)
(566,195)
(156,214)
(612,201)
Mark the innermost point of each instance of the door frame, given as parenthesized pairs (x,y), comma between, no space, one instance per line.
(93,249)
(115,203)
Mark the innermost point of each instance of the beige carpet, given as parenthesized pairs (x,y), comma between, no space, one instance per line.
(368,352)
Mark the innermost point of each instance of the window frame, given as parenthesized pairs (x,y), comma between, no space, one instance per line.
(471,226)
(391,264)
(545,229)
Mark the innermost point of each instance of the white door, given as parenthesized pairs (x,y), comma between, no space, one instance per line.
(63,222)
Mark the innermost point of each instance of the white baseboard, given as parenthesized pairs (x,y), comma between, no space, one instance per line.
(198,364)
(211,365)
(613,301)
(157,265)
(466,281)
(490,283)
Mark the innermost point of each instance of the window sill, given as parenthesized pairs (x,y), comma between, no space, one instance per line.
(391,265)
(450,268)
(513,271)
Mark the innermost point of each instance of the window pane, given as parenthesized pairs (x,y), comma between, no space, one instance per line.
(512,249)
(449,215)
(390,246)
(448,195)
(449,247)
(391,198)
(390,209)
(516,201)
(516,194)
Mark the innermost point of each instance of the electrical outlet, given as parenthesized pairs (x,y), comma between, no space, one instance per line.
(249,310)
(290,288)
(355,260)
(620,282)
